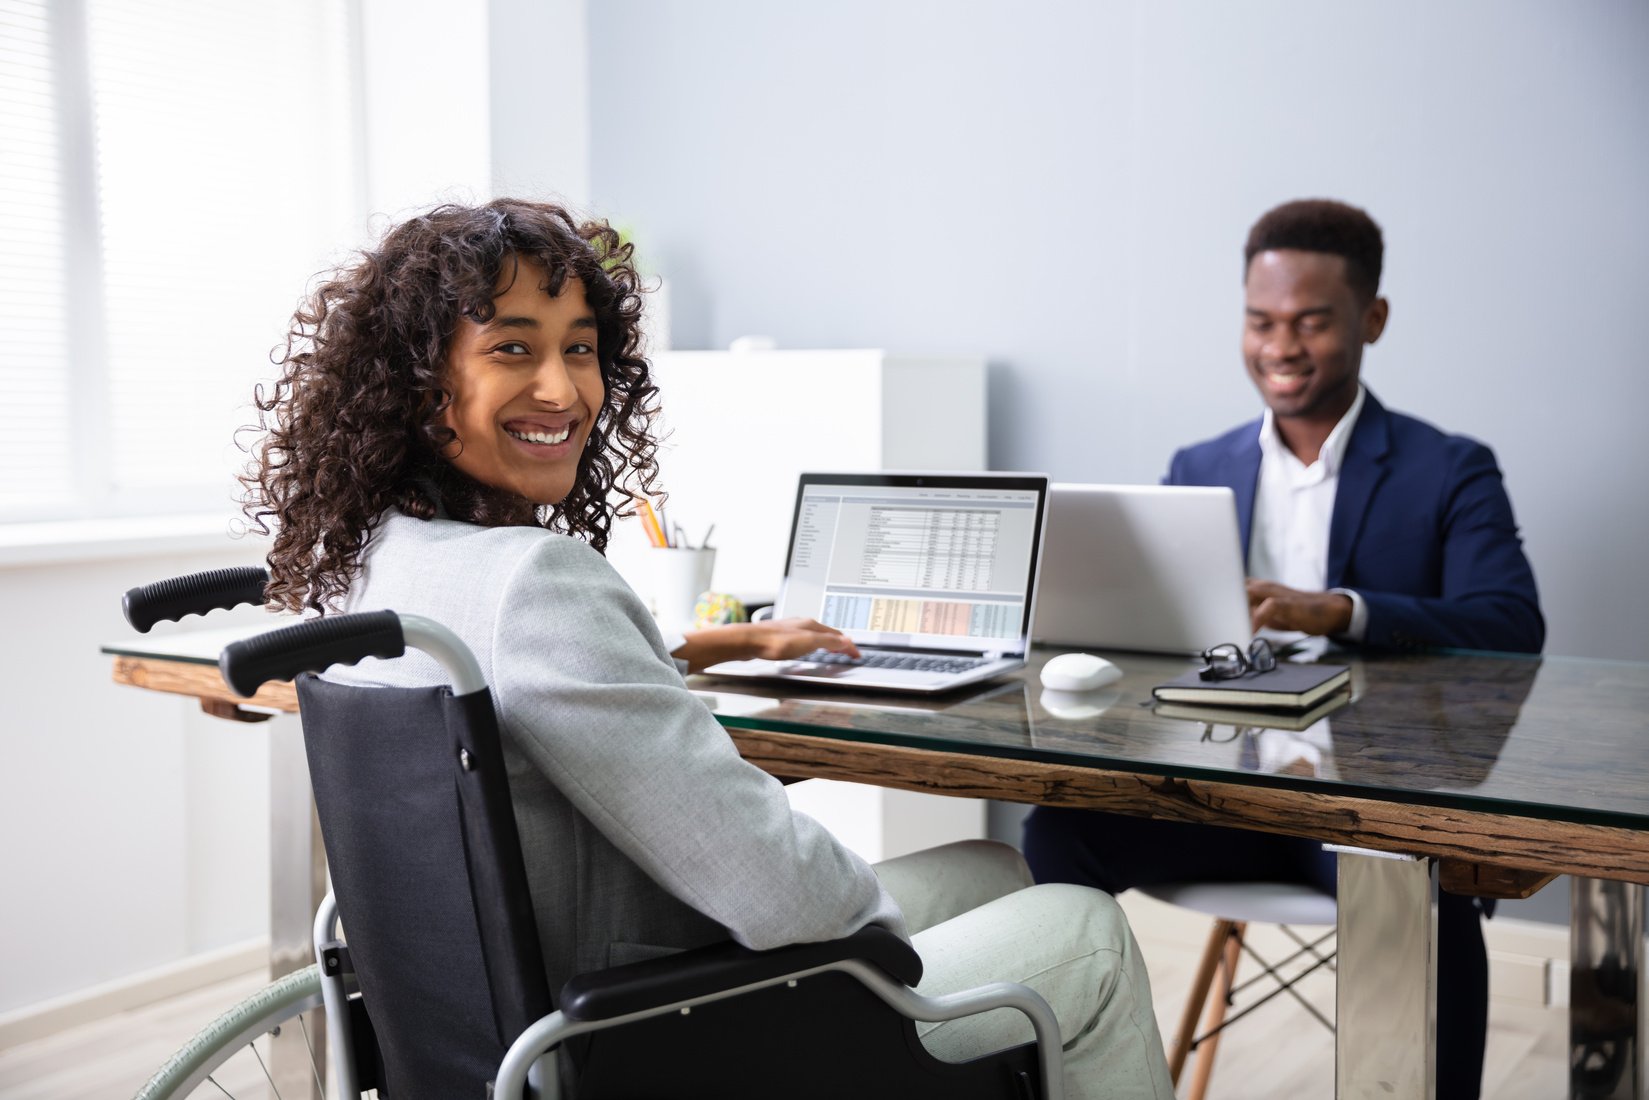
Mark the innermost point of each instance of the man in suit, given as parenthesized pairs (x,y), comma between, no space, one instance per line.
(1360,524)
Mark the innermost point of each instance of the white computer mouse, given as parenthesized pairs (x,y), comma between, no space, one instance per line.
(1078,672)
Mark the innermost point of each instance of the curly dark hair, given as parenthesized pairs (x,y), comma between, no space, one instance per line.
(353,427)
(1323,225)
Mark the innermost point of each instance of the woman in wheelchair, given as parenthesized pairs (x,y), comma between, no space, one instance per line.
(457,411)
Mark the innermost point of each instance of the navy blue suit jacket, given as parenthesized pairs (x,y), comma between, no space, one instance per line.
(1422,530)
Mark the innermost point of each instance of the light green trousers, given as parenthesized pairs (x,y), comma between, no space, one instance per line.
(975,917)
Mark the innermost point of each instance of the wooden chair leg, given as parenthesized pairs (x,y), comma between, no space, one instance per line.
(1216,1012)
(1197,997)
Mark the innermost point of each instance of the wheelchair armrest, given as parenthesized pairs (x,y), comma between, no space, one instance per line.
(618,990)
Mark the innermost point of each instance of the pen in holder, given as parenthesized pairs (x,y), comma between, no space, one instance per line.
(674,578)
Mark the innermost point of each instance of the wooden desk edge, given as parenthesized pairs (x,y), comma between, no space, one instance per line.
(1492,855)
(202,682)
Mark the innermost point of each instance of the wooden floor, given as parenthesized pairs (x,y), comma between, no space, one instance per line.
(1280,1051)
(113,1057)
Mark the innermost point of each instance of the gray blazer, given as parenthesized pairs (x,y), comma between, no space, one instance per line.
(643,829)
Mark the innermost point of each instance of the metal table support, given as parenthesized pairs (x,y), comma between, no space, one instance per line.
(1606,991)
(1386,987)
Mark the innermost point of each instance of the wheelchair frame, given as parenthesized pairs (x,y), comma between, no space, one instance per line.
(529,1067)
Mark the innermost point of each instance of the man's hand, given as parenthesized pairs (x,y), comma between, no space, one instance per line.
(776,640)
(1271,604)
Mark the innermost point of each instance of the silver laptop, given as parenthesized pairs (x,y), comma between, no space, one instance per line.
(931,575)
(1155,568)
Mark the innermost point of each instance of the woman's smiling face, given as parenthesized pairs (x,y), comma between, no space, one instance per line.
(526,387)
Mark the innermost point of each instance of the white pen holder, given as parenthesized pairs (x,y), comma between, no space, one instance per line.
(671,581)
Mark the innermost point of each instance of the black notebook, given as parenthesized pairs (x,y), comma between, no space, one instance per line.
(1255,717)
(1286,687)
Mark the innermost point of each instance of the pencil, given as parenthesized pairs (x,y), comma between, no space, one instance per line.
(649,523)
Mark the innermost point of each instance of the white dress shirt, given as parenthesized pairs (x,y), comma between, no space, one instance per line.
(1293,508)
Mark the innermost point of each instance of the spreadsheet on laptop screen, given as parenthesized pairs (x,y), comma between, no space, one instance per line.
(944,567)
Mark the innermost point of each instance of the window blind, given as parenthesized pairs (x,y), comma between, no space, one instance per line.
(35,464)
(221,175)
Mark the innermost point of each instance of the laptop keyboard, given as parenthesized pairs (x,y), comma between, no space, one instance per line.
(913,662)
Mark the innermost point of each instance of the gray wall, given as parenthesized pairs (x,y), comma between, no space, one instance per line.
(1065,187)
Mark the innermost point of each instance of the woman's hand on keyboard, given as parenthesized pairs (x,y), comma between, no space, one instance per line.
(775,640)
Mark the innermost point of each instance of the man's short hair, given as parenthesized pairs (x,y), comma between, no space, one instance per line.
(1323,225)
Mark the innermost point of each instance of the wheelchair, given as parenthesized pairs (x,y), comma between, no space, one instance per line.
(439,987)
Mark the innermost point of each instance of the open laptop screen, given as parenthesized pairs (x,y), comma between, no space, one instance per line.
(932,561)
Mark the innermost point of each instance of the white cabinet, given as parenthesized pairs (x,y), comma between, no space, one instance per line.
(738,429)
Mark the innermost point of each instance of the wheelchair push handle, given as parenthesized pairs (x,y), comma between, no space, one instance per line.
(310,647)
(195,594)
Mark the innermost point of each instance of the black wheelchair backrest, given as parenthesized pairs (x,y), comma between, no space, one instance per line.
(419,827)
(416,816)
(417,821)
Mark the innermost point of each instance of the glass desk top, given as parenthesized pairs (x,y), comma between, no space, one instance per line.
(1554,737)
(1560,738)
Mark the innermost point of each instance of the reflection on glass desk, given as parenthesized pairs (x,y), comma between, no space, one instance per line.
(1556,738)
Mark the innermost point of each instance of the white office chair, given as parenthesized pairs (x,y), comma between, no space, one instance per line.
(1235,905)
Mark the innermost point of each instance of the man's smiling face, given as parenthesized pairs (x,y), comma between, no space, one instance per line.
(1304,332)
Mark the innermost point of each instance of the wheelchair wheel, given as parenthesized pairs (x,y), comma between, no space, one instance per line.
(236,1033)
